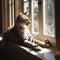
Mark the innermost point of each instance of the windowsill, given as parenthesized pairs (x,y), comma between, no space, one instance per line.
(43,54)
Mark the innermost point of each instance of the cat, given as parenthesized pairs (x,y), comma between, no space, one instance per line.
(20,33)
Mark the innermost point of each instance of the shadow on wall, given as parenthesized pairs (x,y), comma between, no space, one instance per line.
(57,57)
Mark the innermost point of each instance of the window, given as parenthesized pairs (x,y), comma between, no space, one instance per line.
(11,12)
(34,11)
(48,18)
(8,13)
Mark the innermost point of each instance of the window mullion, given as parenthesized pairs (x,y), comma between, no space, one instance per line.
(10,13)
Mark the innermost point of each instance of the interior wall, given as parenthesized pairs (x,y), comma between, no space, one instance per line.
(5,15)
(0,16)
(57,22)
(18,7)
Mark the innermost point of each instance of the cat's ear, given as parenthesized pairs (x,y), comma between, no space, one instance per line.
(25,13)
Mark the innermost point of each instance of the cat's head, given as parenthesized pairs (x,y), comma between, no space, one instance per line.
(22,18)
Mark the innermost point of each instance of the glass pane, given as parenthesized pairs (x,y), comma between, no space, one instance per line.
(26,7)
(35,20)
(25,0)
(49,18)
